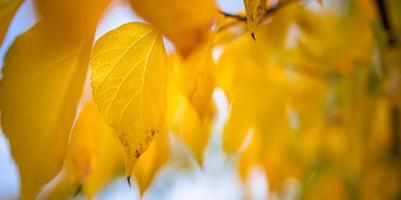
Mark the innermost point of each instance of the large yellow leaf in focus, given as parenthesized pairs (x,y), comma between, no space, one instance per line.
(185,23)
(151,162)
(42,82)
(129,81)
(94,157)
(7,12)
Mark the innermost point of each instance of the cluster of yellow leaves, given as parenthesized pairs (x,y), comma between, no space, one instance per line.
(40,93)
(304,90)
(43,76)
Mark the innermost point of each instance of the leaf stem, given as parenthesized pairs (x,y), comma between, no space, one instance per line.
(238,17)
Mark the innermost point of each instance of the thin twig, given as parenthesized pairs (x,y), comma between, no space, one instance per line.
(277,6)
(238,17)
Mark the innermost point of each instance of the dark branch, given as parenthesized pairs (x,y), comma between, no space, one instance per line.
(238,17)
(129,180)
(78,190)
(394,112)
(384,17)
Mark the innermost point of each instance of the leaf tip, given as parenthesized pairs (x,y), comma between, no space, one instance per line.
(253,36)
(129,180)
(78,190)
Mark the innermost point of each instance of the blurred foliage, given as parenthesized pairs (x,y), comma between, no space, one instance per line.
(314,91)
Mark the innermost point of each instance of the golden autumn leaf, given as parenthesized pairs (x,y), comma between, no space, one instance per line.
(196,79)
(255,11)
(185,23)
(190,106)
(39,95)
(7,11)
(94,157)
(185,121)
(129,81)
(107,159)
(74,18)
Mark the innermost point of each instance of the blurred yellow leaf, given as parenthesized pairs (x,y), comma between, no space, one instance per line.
(185,122)
(7,12)
(73,18)
(94,157)
(129,81)
(318,40)
(196,79)
(42,82)
(185,23)
(107,160)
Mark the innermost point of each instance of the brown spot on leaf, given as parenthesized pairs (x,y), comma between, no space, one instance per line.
(123,140)
(138,152)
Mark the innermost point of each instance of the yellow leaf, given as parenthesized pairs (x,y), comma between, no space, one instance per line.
(7,12)
(185,122)
(255,11)
(129,81)
(94,157)
(249,157)
(185,23)
(151,161)
(244,71)
(42,82)
(73,18)
(196,79)
(108,159)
